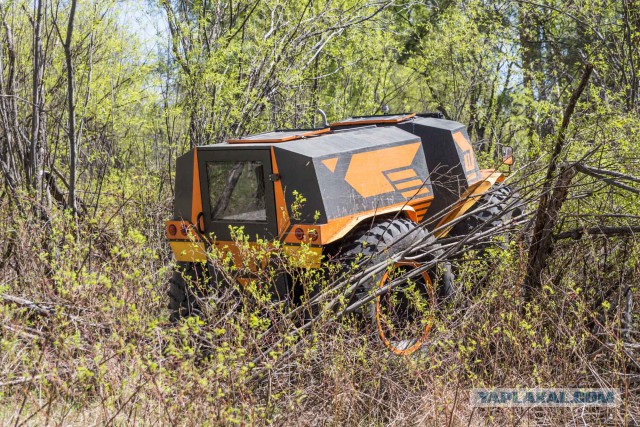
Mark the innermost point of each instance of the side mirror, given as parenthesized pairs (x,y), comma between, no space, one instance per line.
(507,156)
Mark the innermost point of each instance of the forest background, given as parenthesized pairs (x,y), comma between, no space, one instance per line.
(98,98)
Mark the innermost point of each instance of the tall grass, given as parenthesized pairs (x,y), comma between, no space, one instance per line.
(86,339)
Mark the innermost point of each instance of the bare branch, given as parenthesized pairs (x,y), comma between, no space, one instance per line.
(599,173)
(578,233)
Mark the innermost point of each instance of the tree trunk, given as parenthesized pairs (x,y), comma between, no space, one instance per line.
(550,203)
(542,242)
(71,203)
(35,174)
(11,149)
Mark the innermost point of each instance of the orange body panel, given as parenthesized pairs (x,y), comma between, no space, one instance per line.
(184,231)
(366,173)
(339,227)
(423,191)
(489,178)
(331,163)
(196,199)
(186,243)
(282,213)
(239,254)
(421,205)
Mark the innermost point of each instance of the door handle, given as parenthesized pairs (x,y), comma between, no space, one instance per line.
(199,222)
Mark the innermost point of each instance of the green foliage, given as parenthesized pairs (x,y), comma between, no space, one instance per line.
(107,349)
(89,337)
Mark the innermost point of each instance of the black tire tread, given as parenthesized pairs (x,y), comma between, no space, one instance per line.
(501,209)
(383,239)
(182,299)
(386,234)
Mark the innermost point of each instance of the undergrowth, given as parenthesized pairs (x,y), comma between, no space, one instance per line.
(86,339)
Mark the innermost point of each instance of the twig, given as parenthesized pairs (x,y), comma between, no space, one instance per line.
(578,233)
(598,173)
(23,380)
(26,303)
(591,170)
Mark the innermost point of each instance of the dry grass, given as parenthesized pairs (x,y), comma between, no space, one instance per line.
(97,348)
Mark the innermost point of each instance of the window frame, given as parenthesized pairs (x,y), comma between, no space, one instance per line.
(220,227)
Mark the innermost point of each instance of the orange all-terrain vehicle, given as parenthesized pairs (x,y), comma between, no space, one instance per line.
(369,182)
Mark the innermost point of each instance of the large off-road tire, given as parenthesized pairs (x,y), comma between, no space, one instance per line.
(186,288)
(384,239)
(496,208)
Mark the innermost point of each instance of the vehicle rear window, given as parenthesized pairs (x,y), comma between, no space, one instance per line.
(236,191)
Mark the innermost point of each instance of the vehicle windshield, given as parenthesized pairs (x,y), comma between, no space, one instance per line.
(236,191)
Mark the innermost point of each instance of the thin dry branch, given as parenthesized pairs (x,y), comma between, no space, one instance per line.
(578,233)
(591,170)
(602,173)
(26,303)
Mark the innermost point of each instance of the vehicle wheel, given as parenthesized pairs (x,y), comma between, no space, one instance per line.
(187,286)
(405,315)
(495,208)
(394,313)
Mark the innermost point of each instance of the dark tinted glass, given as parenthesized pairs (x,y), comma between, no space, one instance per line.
(236,191)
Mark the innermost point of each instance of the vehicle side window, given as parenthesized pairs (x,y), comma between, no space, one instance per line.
(236,191)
